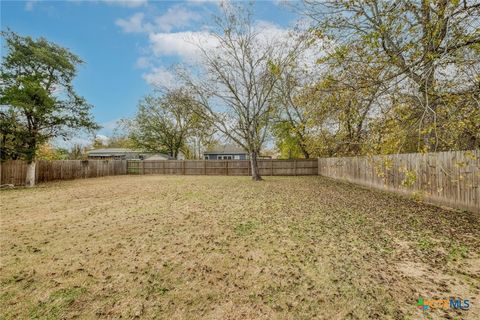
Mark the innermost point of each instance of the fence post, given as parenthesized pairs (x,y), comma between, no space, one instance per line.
(226,161)
(183,167)
(204,167)
(143,167)
(294,167)
(271,166)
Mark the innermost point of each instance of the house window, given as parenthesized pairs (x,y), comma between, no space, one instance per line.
(206,157)
(237,157)
(224,157)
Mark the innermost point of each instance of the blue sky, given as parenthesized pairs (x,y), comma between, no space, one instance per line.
(127,45)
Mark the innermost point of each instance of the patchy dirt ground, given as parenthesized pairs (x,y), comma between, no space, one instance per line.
(176,247)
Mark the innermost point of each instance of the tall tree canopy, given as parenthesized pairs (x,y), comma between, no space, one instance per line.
(425,55)
(37,97)
(165,123)
(293,113)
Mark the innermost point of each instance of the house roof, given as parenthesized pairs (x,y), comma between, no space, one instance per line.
(113,151)
(226,149)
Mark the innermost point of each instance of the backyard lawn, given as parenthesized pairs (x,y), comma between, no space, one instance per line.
(194,247)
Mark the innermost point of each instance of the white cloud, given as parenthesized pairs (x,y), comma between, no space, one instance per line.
(127,3)
(30,4)
(268,32)
(176,17)
(103,139)
(182,44)
(185,44)
(202,2)
(143,63)
(282,2)
(120,3)
(164,42)
(160,77)
(132,25)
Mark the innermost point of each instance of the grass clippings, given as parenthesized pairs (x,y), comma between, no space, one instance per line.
(196,247)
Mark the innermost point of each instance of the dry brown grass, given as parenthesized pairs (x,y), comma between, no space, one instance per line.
(177,247)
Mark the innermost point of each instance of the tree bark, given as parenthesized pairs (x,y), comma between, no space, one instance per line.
(254,164)
(304,151)
(30,179)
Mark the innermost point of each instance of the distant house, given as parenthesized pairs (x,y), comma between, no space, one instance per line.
(226,152)
(125,154)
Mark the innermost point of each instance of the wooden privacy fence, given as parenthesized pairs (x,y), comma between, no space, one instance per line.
(223,167)
(447,178)
(14,172)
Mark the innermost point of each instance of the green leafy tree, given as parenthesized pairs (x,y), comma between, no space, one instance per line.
(49,152)
(37,94)
(347,99)
(287,140)
(293,110)
(12,145)
(164,124)
(119,141)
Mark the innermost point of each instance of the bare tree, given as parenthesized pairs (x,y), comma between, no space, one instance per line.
(235,88)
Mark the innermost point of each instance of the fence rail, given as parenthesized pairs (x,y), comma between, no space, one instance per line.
(447,178)
(223,167)
(14,172)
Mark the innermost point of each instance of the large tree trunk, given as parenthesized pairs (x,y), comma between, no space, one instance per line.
(254,163)
(30,180)
(304,151)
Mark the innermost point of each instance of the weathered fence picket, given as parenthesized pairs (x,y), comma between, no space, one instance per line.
(267,167)
(447,178)
(14,172)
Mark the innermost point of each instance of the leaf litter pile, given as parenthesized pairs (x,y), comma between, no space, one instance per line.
(180,247)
